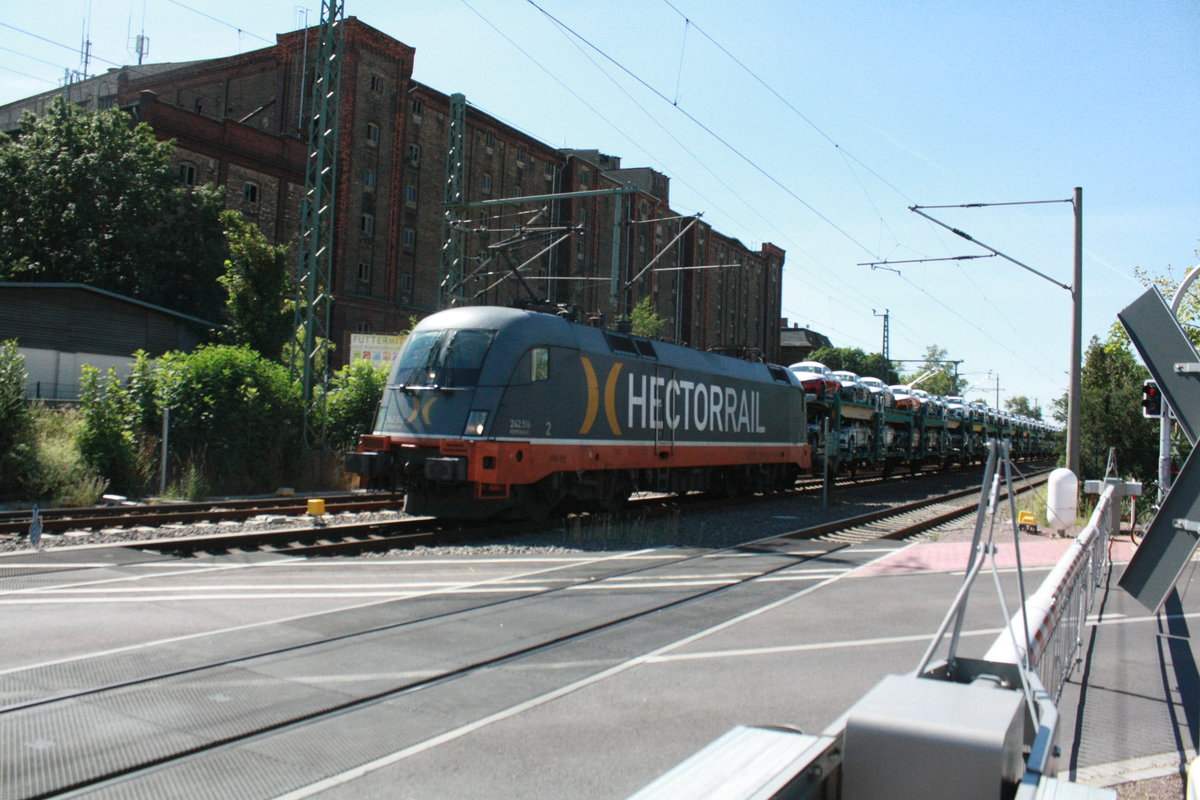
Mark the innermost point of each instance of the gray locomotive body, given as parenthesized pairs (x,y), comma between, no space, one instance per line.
(491,410)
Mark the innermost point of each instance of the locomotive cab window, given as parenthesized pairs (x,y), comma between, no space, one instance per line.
(446,358)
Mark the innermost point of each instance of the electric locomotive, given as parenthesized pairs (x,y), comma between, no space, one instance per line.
(502,411)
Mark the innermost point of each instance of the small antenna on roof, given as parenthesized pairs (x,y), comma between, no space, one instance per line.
(141,42)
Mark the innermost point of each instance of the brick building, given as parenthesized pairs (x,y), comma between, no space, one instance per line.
(238,122)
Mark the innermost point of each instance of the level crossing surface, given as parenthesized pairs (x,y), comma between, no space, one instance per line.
(556,713)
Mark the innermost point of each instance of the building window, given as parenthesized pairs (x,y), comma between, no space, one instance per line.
(376,83)
(187,174)
(372,133)
(410,195)
(521,155)
(414,154)
(364,271)
(518,191)
(368,179)
(418,106)
(487,183)
(405,282)
(366,223)
(250,192)
(585,177)
(364,326)
(410,238)
(489,140)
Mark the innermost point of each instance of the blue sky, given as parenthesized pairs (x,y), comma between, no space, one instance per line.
(813,126)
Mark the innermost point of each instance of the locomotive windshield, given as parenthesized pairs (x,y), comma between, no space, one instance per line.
(445,358)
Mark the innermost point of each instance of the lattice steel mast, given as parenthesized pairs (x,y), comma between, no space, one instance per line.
(313,310)
(452,292)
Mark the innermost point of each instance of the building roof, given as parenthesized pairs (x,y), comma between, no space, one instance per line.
(19,285)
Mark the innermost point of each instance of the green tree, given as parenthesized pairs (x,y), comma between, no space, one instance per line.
(258,282)
(645,321)
(858,361)
(1111,413)
(1168,285)
(1021,405)
(87,197)
(942,381)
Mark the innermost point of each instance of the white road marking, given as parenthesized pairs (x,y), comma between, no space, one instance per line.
(463,730)
(142,646)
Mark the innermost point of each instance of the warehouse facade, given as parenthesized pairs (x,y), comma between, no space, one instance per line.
(239,122)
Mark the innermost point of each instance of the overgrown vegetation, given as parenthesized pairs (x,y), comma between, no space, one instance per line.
(40,459)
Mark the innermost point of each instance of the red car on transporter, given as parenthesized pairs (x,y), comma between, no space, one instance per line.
(816,378)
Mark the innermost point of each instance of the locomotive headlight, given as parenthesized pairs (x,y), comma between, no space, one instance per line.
(476,421)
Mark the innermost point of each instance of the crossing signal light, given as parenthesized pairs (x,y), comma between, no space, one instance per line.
(1151,400)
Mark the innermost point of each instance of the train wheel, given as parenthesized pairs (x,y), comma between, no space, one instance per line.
(535,501)
(616,494)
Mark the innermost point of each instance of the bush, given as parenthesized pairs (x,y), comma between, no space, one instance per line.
(15,440)
(352,402)
(235,411)
(110,440)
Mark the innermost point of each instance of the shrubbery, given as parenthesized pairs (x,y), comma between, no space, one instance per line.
(14,420)
(351,403)
(234,414)
(39,454)
(234,426)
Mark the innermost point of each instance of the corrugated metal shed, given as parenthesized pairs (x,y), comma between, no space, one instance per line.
(75,318)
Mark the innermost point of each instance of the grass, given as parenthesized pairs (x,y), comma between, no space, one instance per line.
(55,470)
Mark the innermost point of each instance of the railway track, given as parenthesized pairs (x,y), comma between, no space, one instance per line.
(85,518)
(100,517)
(911,519)
(354,537)
(77,695)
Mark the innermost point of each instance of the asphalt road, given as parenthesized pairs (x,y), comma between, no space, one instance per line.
(583,674)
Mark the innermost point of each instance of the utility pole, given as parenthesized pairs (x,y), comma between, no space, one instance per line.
(1074,395)
(886,361)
